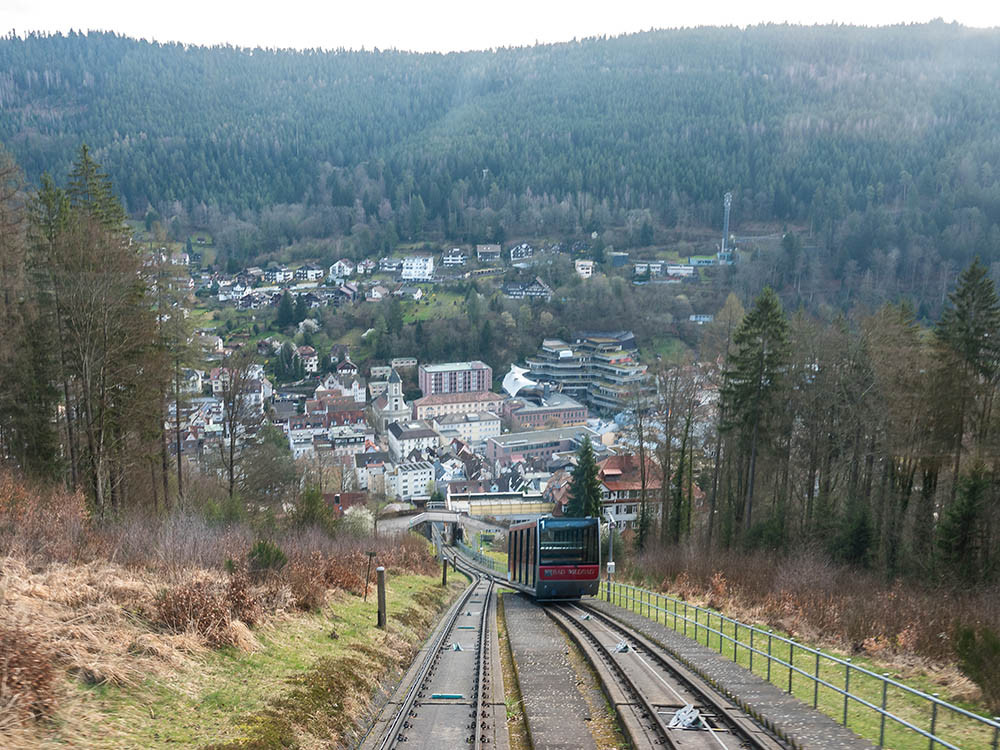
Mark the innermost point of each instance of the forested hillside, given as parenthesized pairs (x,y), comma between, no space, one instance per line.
(870,139)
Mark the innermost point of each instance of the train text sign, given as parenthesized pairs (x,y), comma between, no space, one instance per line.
(568,572)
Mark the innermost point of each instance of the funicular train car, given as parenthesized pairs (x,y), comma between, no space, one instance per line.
(557,558)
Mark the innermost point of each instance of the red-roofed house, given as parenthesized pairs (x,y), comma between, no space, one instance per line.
(621,488)
(310,360)
(347,368)
(557,491)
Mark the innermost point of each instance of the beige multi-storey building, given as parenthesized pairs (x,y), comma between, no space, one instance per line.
(443,404)
(472,428)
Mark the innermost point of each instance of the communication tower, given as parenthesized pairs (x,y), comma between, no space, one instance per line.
(727,201)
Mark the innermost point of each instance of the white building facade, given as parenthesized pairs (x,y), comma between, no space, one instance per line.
(418,268)
(409,481)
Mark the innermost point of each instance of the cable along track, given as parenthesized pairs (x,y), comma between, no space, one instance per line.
(444,699)
(659,702)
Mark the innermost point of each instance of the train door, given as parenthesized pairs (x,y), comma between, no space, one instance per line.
(532,558)
(520,556)
(510,556)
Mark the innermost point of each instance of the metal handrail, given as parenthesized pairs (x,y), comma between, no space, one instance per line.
(437,539)
(480,558)
(638,599)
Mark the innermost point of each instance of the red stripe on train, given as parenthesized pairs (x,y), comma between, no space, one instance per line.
(568,572)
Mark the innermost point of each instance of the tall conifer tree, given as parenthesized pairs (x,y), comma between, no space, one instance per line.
(753,382)
(585,489)
(969,332)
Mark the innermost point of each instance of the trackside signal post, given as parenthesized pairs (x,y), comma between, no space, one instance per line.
(611,552)
(380,578)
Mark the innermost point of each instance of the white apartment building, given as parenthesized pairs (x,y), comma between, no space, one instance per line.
(309,272)
(341,269)
(280,275)
(418,268)
(408,481)
(310,359)
(454,257)
(406,437)
(370,469)
(584,268)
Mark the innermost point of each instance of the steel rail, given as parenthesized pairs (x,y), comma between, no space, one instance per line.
(391,736)
(747,732)
(639,736)
(483,684)
(672,688)
(740,725)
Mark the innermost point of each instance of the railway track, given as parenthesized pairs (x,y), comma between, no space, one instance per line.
(446,699)
(659,702)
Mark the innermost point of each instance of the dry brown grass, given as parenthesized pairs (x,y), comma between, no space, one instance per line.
(121,602)
(197,606)
(812,598)
(27,676)
(87,615)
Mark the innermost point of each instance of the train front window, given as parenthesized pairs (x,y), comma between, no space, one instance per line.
(574,544)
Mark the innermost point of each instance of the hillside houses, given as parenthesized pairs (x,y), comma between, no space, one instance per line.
(345,382)
(390,265)
(376,293)
(457,447)
(535,289)
(258,388)
(410,480)
(309,272)
(521,253)
(621,488)
(342,269)
(453,258)
(491,449)
(370,467)
(406,438)
(310,359)
(417,268)
(488,253)
(277,275)
(663,269)
(408,291)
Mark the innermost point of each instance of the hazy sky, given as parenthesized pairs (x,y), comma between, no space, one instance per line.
(446,25)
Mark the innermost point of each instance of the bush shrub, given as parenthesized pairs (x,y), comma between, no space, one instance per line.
(358,521)
(242,603)
(198,606)
(807,593)
(344,572)
(38,520)
(307,582)
(265,557)
(978,652)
